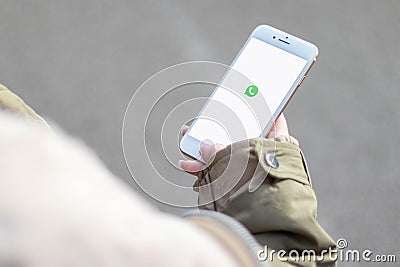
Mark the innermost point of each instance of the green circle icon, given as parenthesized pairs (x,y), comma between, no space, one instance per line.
(251,91)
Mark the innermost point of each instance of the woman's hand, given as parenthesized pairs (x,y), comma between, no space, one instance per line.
(207,151)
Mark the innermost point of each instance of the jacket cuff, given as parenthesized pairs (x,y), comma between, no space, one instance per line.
(246,165)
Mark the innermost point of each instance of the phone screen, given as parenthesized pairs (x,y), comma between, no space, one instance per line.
(236,114)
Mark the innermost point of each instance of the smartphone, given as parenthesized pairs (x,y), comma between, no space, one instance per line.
(273,64)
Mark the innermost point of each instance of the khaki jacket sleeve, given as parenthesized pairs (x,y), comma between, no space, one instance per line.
(13,103)
(281,213)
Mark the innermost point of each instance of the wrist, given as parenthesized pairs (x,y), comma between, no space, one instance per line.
(244,166)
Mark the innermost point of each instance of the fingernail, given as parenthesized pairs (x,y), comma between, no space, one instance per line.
(180,163)
(181,130)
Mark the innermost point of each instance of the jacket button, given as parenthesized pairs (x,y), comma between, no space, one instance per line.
(271,160)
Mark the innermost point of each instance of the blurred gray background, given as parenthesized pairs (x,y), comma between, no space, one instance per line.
(79,62)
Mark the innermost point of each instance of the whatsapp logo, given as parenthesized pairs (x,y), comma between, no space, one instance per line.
(251,91)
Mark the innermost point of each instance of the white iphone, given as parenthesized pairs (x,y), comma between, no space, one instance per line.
(254,91)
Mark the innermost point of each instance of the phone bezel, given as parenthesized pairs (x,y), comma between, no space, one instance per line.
(190,146)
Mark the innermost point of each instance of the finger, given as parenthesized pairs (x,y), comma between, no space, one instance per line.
(280,127)
(207,151)
(191,166)
(184,129)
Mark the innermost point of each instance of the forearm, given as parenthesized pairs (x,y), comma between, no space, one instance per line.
(281,213)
